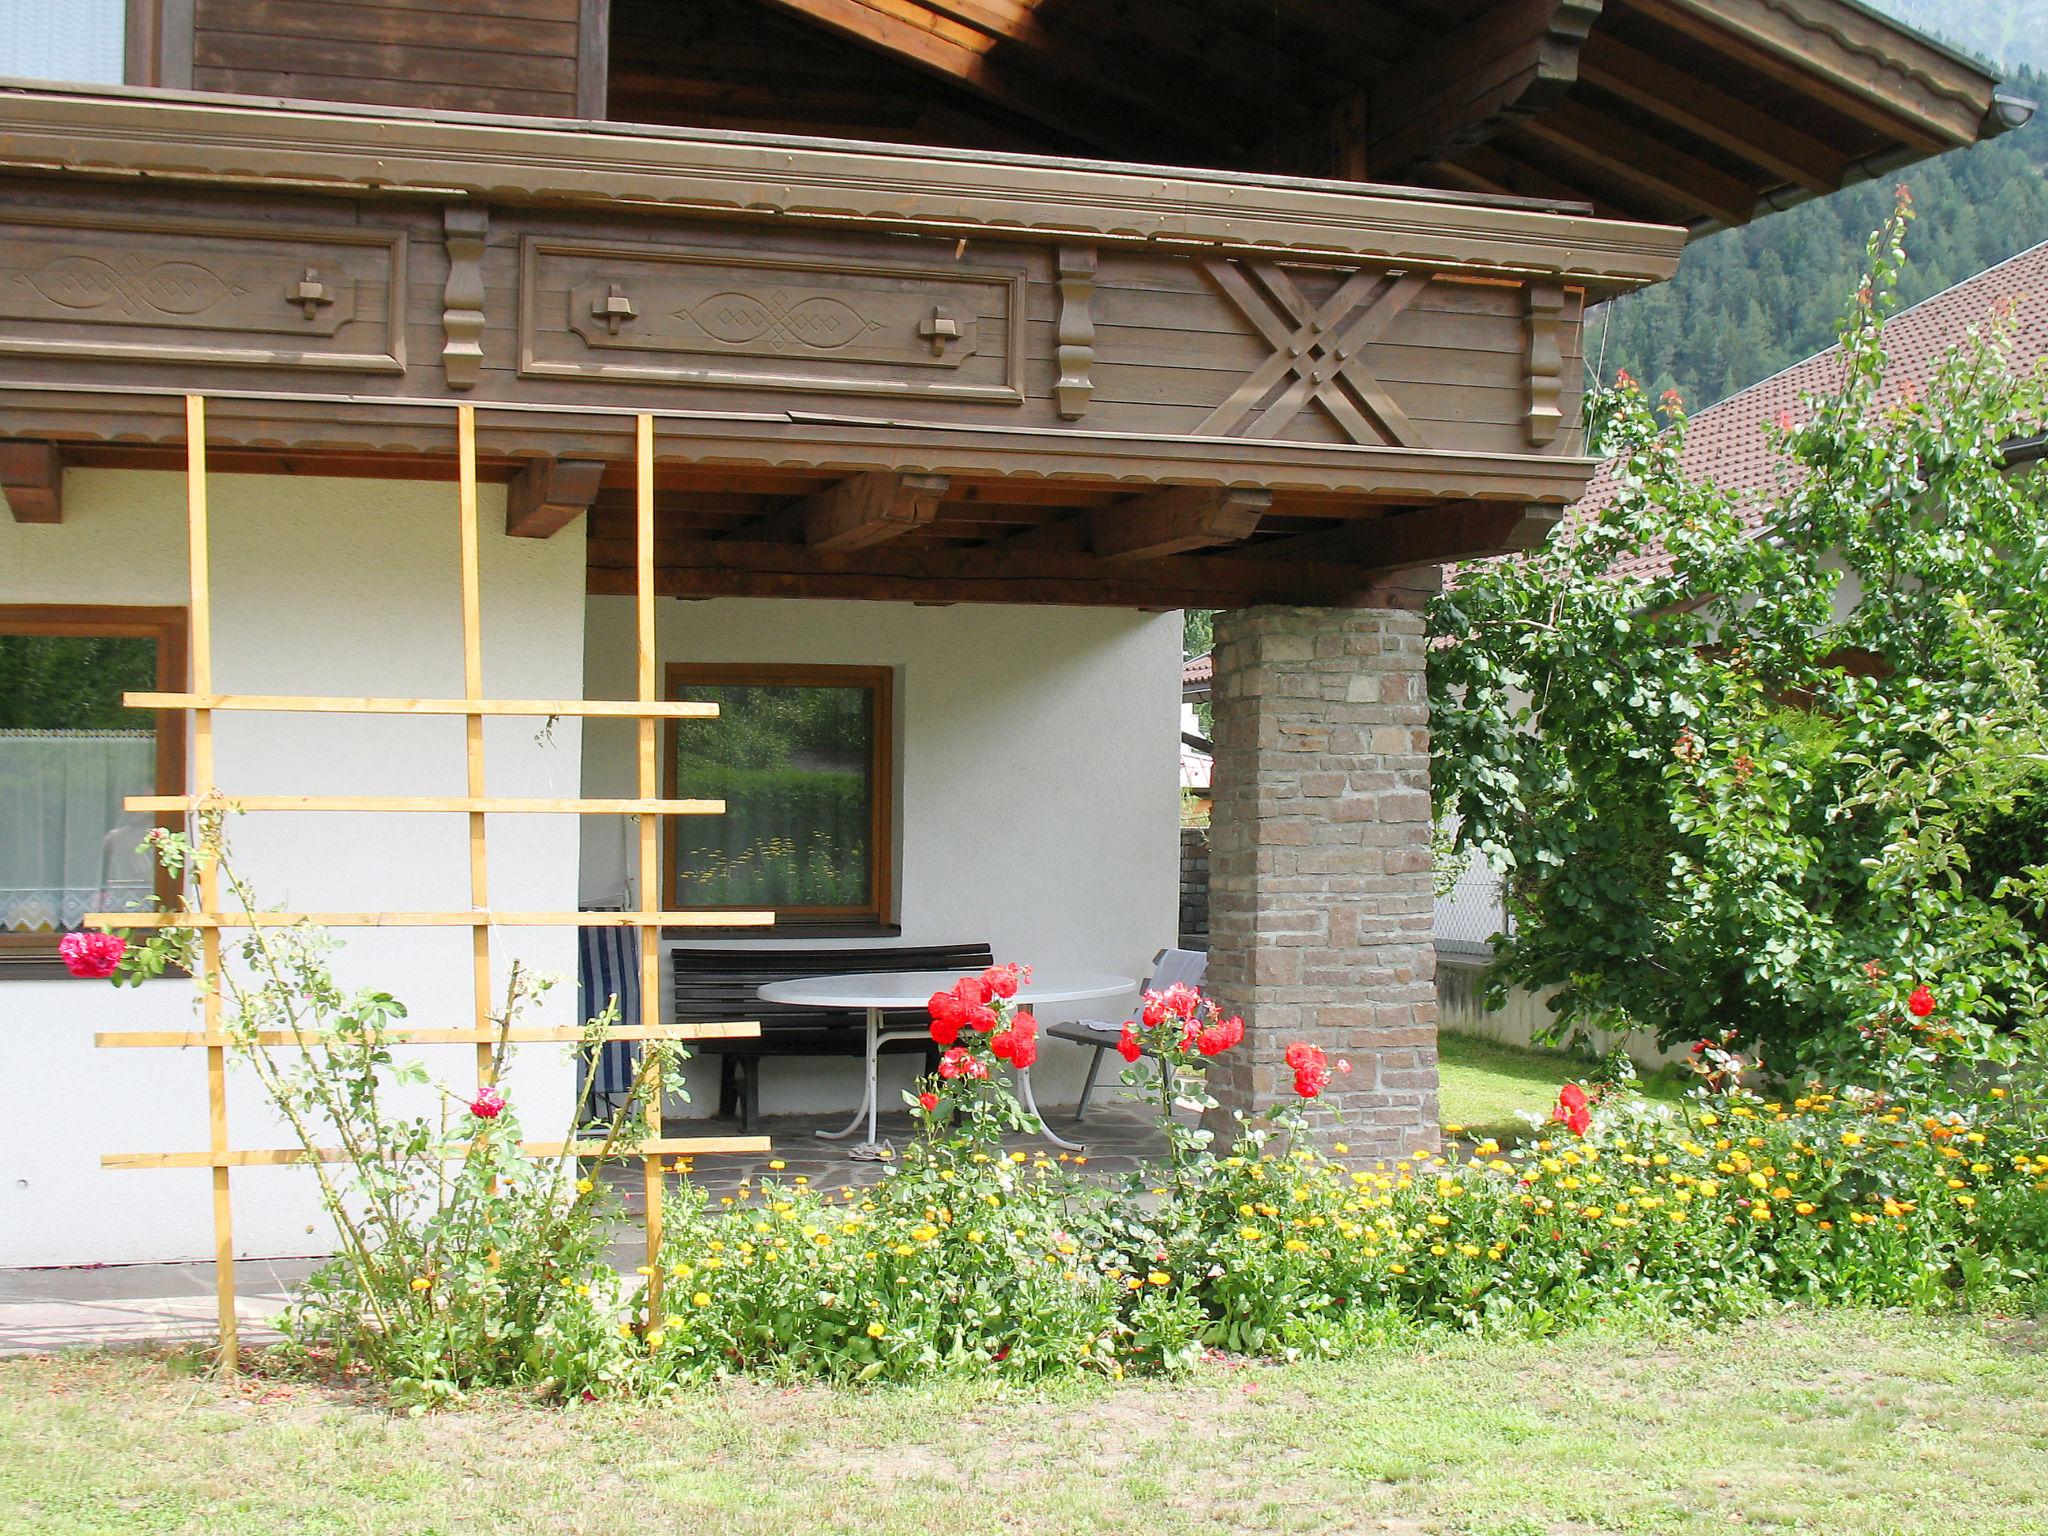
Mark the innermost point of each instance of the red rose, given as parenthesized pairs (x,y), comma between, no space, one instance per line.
(94,956)
(944,1005)
(1127,1043)
(1154,1013)
(1182,999)
(961,1062)
(946,1031)
(1921,1003)
(973,991)
(980,1017)
(927,1101)
(1572,1111)
(1311,1068)
(1572,1096)
(1004,1043)
(1026,1053)
(1209,1040)
(1003,980)
(487,1105)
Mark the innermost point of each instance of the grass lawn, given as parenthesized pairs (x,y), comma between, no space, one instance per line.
(1850,1424)
(1484,1087)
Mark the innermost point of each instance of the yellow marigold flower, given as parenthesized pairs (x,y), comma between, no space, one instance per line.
(1852,1138)
(654,1337)
(1469,1250)
(1340,1149)
(701,1299)
(777,1164)
(1296,1245)
(876,1330)
(584,1186)
(422,1283)
(1454,1130)
(1250,1234)
(1966,1201)
(1160,1277)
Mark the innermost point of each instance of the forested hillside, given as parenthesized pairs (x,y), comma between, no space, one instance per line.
(1751,301)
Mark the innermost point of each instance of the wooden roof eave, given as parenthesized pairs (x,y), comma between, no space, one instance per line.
(239,141)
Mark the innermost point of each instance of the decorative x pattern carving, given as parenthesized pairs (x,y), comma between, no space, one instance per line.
(1318,353)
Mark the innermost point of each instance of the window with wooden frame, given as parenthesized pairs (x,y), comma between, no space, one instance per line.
(70,752)
(803,757)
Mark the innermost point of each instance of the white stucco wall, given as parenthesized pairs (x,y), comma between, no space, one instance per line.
(319,586)
(1037,799)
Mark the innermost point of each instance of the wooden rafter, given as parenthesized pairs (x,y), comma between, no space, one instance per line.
(1701,108)
(549,494)
(1643,161)
(869,509)
(32,479)
(1173,522)
(960,42)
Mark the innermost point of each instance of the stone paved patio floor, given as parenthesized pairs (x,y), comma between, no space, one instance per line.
(128,1304)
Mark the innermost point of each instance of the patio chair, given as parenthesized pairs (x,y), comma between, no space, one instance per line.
(1170,967)
(608,966)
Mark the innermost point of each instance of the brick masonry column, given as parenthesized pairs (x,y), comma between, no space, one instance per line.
(1320,897)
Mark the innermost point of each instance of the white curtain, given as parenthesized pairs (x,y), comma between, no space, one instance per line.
(66,846)
(76,41)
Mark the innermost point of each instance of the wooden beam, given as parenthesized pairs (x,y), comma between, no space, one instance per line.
(549,494)
(1084,105)
(913,573)
(1642,161)
(1471,530)
(32,479)
(869,509)
(1513,60)
(1699,107)
(1173,522)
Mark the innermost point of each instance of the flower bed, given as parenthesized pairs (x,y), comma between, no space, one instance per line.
(971,1258)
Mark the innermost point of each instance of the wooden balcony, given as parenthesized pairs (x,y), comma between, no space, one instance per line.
(878,371)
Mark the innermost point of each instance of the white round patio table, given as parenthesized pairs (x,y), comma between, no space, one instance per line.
(880,992)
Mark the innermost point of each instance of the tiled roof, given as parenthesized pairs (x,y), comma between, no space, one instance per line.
(1199,669)
(1725,443)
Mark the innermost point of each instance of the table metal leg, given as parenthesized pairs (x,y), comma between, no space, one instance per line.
(868,1111)
(1030,1102)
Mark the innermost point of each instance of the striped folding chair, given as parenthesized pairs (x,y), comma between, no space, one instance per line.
(608,966)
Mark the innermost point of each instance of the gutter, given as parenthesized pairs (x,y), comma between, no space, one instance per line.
(2017,452)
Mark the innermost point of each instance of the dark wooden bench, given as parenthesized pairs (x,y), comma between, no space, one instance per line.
(719,984)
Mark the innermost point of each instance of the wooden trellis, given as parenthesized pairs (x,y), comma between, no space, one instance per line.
(646,709)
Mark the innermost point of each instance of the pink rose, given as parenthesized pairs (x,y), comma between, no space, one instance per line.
(92,955)
(487,1105)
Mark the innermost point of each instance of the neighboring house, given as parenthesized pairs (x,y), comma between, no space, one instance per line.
(1726,443)
(1197,751)
(955,391)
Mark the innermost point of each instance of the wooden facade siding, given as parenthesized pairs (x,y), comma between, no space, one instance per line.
(450,56)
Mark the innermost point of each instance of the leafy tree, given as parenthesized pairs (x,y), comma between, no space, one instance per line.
(1741,796)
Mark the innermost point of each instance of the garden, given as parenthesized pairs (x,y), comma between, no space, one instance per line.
(1801,840)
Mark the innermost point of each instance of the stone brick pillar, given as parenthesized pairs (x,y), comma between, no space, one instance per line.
(1320,898)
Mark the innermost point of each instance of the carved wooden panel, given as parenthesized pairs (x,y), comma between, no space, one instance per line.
(1318,353)
(640,314)
(170,290)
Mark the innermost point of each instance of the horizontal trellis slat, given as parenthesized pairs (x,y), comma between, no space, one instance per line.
(318,704)
(518,1034)
(203,920)
(284,1157)
(493,805)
